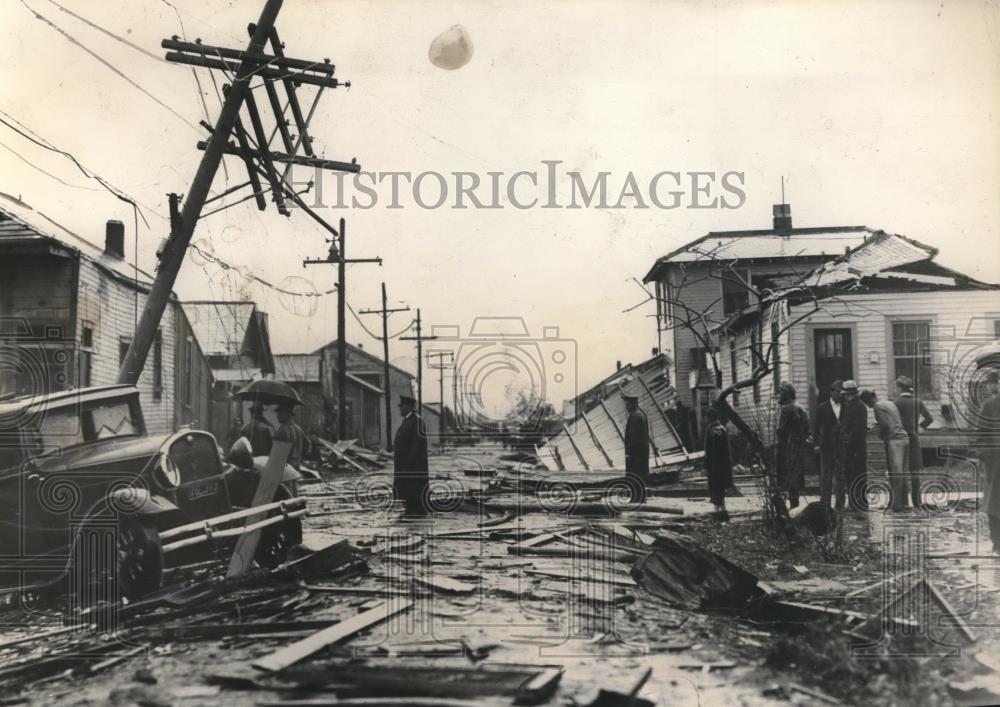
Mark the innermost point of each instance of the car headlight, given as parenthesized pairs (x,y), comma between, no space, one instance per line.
(167,473)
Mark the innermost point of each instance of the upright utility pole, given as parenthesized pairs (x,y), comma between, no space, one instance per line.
(420,339)
(245,66)
(441,365)
(385,312)
(338,255)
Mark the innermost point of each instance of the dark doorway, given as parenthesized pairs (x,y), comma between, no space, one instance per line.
(834,358)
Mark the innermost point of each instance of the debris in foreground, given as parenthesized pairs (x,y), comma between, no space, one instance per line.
(681,572)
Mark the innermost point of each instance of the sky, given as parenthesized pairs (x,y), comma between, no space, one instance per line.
(877,114)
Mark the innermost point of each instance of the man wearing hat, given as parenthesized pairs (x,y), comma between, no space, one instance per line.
(636,447)
(910,408)
(826,437)
(854,445)
(409,455)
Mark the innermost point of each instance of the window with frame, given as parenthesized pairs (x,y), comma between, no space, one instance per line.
(733,373)
(188,372)
(776,343)
(123,343)
(701,361)
(158,366)
(754,353)
(85,356)
(996,328)
(911,355)
(735,291)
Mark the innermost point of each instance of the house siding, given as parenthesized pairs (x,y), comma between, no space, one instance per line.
(961,321)
(701,292)
(109,307)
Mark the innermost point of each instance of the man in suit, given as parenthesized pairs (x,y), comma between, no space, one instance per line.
(718,461)
(793,431)
(826,438)
(409,455)
(636,448)
(854,446)
(910,408)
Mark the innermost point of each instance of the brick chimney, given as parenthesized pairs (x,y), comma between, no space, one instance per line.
(782,217)
(114,239)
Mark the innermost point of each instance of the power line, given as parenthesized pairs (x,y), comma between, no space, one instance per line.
(49,174)
(108,65)
(250,276)
(41,142)
(108,32)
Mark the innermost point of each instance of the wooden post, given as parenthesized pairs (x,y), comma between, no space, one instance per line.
(180,238)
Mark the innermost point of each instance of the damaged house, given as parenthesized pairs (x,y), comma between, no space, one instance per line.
(68,309)
(883,309)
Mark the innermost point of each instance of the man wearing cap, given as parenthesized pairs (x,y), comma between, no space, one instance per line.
(793,431)
(409,455)
(636,447)
(826,437)
(897,445)
(854,445)
(910,408)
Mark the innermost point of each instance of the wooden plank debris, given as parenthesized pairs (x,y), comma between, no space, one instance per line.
(446,585)
(270,479)
(338,632)
(539,688)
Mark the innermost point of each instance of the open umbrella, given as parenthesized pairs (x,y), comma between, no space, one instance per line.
(269,392)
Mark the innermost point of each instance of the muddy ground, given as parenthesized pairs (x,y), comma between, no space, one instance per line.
(581,613)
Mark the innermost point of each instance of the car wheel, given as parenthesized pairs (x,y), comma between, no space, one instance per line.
(275,541)
(140,559)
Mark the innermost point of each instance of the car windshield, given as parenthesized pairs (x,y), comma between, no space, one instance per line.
(112,419)
(73,425)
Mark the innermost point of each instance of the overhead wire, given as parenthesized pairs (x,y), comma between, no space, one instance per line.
(107,64)
(49,174)
(90,174)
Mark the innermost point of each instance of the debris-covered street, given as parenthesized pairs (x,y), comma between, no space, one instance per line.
(460,354)
(481,604)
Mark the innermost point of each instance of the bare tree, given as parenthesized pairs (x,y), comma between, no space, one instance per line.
(709,323)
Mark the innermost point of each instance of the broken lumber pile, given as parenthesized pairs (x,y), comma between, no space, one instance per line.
(347,456)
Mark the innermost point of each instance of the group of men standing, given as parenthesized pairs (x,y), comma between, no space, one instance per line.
(840,439)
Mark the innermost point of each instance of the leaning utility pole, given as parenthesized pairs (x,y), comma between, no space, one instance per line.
(338,255)
(441,365)
(245,66)
(420,362)
(385,312)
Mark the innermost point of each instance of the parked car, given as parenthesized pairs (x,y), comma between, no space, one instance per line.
(86,493)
